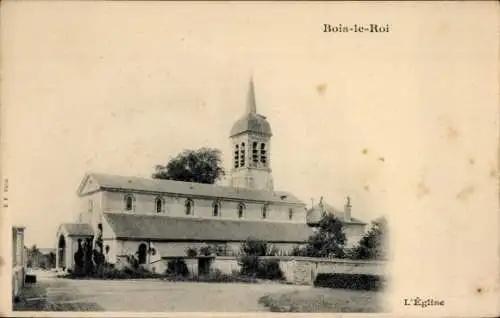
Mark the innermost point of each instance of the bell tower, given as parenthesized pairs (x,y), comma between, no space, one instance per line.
(250,138)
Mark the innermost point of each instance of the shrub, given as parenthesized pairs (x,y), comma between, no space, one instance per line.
(177,266)
(191,252)
(253,247)
(298,251)
(206,250)
(269,269)
(249,265)
(261,268)
(349,281)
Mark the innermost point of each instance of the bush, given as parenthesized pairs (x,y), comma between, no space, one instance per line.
(298,251)
(249,265)
(191,252)
(253,247)
(108,271)
(269,269)
(177,266)
(260,268)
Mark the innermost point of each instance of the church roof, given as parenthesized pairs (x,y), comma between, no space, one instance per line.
(251,121)
(154,227)
(315,213)
(76,229)
(191,189)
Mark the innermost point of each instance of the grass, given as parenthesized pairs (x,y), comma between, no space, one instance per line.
(34,298)
(323,300)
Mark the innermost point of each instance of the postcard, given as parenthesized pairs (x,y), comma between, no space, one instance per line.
(229,159)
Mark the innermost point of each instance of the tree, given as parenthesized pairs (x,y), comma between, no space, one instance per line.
(203,165)
(33,256)
(329,240)
(373,243)
(51,259)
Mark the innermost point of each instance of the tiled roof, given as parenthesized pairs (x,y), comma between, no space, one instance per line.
(124,183)
(314,214)
(251,121)
(77,229)
(153,227)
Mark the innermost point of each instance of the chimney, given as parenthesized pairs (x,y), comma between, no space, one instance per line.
(347,210)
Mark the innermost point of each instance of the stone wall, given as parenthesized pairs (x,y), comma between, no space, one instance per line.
(303,270)
(18,260)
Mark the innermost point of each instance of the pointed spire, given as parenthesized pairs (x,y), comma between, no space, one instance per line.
(251,107)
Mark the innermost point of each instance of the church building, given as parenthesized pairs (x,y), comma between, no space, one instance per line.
(155,219)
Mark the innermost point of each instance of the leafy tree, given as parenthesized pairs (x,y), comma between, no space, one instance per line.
(372,245)
(203,165)
(33,256)
(329,240)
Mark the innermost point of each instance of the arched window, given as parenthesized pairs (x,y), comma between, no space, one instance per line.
(263,156)
(264,211)
(242,155)
(91,206)
(129,202)
(236,156)
(189,206)
(159,204)
(241,208)
(290,213)
(255,154)
(216,208)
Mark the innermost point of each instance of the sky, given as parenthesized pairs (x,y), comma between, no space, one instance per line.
(122,97)
(404,122)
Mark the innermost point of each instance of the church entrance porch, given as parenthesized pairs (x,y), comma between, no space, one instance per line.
(68,236)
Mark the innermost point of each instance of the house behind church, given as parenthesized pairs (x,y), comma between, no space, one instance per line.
(156,219)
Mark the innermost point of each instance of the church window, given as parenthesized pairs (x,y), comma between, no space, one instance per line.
(216,208)
(290,214)
(189,206)
(159,204)
(129,202)
(242,155)
(236,156)
(255,154)
(241,207)
(263,156)
(91,206)
(264,212)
